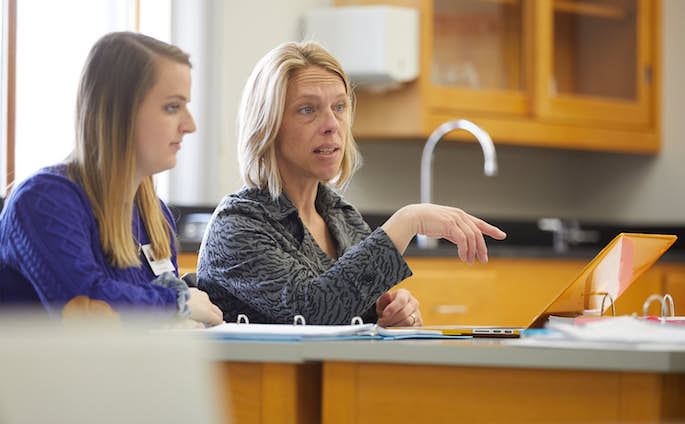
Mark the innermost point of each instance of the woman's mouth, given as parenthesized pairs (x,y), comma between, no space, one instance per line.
(326,150)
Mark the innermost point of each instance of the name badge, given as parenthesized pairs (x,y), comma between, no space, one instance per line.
(158,266)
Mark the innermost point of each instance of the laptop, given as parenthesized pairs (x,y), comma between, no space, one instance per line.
(593,291)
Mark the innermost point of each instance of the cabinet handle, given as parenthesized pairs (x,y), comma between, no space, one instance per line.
(648,75)
(451,309)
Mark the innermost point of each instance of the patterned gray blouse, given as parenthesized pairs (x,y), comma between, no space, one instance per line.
(257,258)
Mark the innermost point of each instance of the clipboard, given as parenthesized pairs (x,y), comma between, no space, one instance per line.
(606,276)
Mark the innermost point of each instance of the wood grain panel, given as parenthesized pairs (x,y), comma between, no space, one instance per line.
(242,391)
(255,392)
(339,393)
(392,393)
(508,292)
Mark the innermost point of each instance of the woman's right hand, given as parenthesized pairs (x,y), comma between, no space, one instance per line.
(453,224)
(202,309)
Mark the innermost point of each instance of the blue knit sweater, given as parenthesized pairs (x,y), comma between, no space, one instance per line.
(50,251)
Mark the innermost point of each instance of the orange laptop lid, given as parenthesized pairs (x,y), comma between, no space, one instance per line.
(610,273)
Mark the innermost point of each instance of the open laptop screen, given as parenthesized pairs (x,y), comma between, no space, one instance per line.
(610,273)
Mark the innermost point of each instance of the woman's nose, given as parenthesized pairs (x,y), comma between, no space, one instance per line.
(330,123)
(188,126)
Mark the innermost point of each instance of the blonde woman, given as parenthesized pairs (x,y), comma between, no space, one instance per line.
(90,228)
(287,243)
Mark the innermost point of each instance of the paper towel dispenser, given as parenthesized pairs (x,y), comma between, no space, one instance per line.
(374,44)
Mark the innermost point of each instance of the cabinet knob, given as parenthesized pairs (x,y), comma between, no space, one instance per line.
(648,75)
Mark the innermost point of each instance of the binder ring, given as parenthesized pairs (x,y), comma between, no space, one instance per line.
(357,321)
(242,319)
(664,312)
(649,300)
(299,320)
(611,299)
(604,298)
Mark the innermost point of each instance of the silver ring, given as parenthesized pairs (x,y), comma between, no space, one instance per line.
(413,319)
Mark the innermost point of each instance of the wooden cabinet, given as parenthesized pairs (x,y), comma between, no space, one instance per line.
(511,292)
(553,73)
(187,262)
(376,392)
(502,292)
(674,284)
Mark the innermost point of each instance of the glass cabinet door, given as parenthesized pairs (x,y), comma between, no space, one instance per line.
(595,61)
(478,55)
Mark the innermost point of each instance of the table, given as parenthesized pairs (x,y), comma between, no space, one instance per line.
(447,381)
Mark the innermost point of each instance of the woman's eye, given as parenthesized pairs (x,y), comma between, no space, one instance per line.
(340,107)
(306,110)
(171,108)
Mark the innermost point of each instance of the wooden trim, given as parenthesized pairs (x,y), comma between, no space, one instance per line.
(590,9)
(511,100)
(136,15)
(495,101)
(538,133)
(529,62)
(543,33)
(587,110)
(657,65)
(591,110)
(11,90)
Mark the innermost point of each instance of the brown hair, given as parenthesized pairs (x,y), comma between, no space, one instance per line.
(261,112)
(119,72)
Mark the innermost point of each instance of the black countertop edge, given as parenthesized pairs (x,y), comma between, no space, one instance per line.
(524,238)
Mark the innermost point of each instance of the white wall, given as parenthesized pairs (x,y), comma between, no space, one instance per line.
(531,183)
(250,29)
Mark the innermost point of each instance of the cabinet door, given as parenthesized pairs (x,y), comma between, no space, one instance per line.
(508,292)
(674,284)
(476,55)
(595,61)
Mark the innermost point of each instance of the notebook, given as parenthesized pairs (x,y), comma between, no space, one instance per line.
(598,285)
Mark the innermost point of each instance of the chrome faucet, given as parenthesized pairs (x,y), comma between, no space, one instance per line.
(567,232)
(489,165)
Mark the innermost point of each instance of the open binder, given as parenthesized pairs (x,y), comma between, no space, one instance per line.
(599,284)
(645,329)
(300,331)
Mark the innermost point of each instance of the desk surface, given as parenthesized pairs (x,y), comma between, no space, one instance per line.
(476,352)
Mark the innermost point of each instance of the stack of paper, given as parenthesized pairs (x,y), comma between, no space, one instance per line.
(623,329)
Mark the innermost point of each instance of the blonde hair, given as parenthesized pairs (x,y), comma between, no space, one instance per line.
(119,72)
(261,112)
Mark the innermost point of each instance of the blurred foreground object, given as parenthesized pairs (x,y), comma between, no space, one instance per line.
(95,374)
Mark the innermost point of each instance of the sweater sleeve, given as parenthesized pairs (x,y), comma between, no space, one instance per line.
(240,257)
(50,235)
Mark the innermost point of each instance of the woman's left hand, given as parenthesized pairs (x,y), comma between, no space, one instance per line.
(398,309)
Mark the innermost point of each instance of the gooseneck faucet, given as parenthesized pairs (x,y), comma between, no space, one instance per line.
(489,165)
